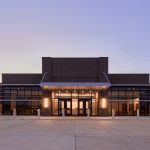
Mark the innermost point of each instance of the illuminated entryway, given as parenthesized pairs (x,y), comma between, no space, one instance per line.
(75,103)
(75,98)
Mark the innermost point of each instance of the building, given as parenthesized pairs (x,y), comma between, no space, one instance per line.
(75,86)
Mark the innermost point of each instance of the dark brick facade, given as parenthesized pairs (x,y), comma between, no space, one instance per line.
(75,70)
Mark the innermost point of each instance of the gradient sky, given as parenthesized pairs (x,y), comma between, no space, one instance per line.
(118,29)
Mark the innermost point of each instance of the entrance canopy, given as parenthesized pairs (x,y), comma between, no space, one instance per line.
(75,85)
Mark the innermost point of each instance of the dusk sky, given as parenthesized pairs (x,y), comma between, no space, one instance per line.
(118,29)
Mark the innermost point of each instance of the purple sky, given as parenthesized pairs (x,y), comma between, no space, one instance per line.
(119,29)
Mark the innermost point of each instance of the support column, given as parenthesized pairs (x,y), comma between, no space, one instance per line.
(0,108)
(13,104)
(46,103)
(1,98)
(103,103)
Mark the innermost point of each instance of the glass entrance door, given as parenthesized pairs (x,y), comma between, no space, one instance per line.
(83,106)
(66,105)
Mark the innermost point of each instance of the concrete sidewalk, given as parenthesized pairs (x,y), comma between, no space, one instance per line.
(73,134)
(75,118)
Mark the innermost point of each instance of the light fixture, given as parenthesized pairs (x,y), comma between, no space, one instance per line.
(46,103)
(46,87)
(136,100)
(103,102)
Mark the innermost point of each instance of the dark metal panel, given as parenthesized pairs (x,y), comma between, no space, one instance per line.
(21,78)
(129,78)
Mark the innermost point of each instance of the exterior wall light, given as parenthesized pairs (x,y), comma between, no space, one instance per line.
(104,103)
(136,101)
(136,104)
(46,103)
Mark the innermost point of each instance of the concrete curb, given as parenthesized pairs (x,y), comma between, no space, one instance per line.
(71,118)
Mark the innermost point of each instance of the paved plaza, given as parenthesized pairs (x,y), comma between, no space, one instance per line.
(74,134)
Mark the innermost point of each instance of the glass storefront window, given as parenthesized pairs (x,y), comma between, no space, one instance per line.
(129,100)
(20,98)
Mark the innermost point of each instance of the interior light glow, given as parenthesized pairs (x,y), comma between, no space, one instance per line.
(103,103)
(46,103)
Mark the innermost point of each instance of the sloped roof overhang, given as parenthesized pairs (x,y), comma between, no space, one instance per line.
(75,85)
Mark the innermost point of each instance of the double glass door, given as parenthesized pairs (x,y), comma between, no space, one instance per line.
(84,105)
(66,106)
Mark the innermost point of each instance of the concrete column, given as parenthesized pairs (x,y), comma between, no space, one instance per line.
(0,108)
